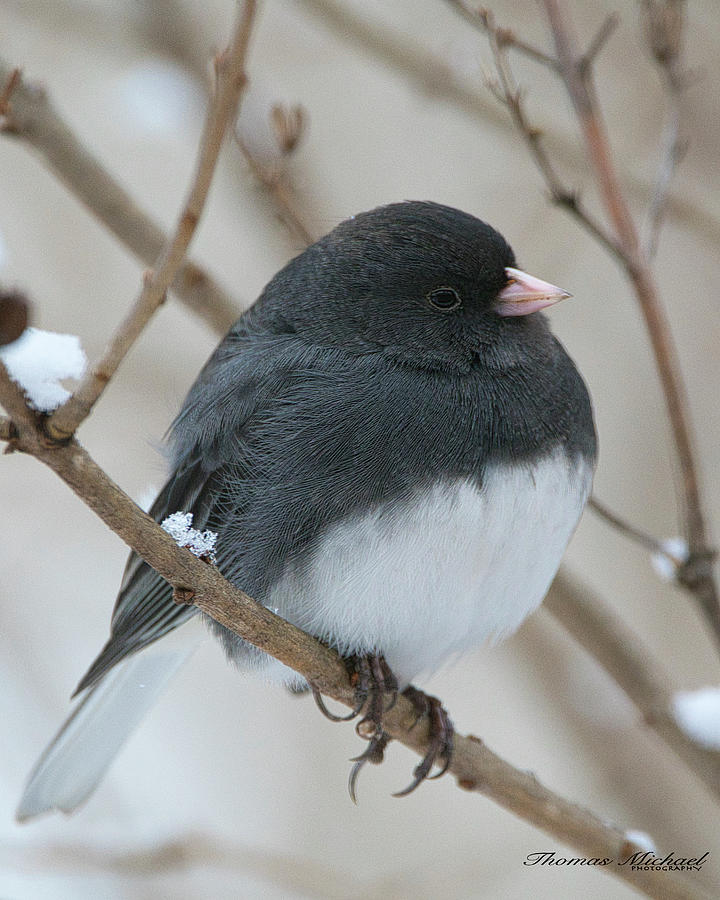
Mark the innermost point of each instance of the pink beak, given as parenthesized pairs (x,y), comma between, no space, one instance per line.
(525,294)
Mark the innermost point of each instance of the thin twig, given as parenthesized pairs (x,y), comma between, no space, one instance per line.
(672,150)
(475,766)
(619,651)
(292,875)
(431,76)
(506,38)
(11,81)
(507,92)
(602,36)
(665,25)
(288,125)
(231,79)
(653,544)
(281,195)
(697,574)
(31,117)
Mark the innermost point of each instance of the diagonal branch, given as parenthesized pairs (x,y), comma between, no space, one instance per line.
(431,77)
(620,652)
(665,25)
(575,69)
(479,17)
(697,574)
(602,36)
(28,115)
(507,92)
(642,538)
(231,80)
(288,126)
(474,765)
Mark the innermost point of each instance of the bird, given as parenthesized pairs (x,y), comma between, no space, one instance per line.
(394,452)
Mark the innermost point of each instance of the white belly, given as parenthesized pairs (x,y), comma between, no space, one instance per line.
(424,581)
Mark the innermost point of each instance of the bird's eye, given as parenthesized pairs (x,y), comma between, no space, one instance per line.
(444,299)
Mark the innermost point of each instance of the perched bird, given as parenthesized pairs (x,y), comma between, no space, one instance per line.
(394,451)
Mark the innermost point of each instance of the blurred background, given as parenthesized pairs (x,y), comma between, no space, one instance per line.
(231,788)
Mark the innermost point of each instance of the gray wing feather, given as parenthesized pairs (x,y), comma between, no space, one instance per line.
(240,376)
(217,461)
(145,609)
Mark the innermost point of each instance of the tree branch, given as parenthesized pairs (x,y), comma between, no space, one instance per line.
(29,116)
(292,875)
(575,70)
(697,575)
(602,36)
(475,766)
(426,71)
(620,652)
(434,78)
(231,80)
(650,543)
(288,125)
(665,25)
(477,17)
(508,93)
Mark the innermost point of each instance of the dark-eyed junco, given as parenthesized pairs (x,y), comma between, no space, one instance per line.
(394,452)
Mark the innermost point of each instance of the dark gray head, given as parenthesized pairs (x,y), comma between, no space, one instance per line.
(421,282)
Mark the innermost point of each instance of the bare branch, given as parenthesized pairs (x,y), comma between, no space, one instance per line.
(30,117)
(12,80)
(435,78)
(620,652)
(698,579)
(672,150)
(664,26)
(664,22)
(507,92)
(288,125)
(475,766)
(478,18)
(653,544)
(295,873)
(601,38)
(429,74)
(231,80)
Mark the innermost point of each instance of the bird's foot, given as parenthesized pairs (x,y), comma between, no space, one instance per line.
(440,734)
(374,683)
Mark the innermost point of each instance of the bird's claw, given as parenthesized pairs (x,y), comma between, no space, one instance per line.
(374,753)
(374,682)
(441,733)
(320,703)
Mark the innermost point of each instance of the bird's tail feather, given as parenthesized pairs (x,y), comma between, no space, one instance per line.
(77,758)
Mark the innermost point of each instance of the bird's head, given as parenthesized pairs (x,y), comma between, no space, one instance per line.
(414,280)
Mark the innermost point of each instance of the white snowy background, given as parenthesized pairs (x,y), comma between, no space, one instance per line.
(246,784)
